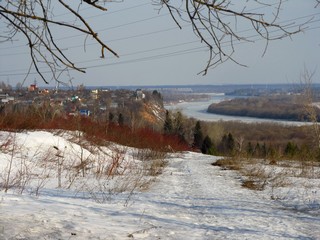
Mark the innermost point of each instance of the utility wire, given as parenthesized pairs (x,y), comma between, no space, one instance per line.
(153,32)
(159,56)
(175,45)
(107,13)
(138,21)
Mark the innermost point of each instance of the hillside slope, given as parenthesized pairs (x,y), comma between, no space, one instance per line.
(190,200)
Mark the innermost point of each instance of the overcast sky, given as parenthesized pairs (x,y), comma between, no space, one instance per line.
(154,51)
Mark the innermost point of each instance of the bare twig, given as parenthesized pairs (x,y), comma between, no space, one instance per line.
(215,23)
(34,20)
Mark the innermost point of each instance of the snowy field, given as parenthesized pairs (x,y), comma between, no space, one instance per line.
(72,190)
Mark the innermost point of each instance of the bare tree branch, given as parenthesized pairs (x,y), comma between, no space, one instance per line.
(94,4)
(310,109)
(92,33)
(215,22)
(34,20)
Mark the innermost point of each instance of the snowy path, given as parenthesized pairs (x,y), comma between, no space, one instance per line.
(204,202)
(190,200)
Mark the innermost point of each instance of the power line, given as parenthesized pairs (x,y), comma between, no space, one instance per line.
(153,32)
(155,57)
(107,13)
(112,40)
(164,30)
(177,53)
(117,11)
(118,26)
(142,20)
(101,30)
(180,44)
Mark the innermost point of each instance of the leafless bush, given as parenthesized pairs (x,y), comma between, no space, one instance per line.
(256,177)
(98,172)
(153,160)
(100,191)
(114,166)
(6,143)
(8,182)
(149,154)
(103,189)
(23,175)
(154,167)
(228,163)
(44,172)
(255,170)
(23,170)
(101,163)
(278,181)
(309,170)
(294,183)
(112,173)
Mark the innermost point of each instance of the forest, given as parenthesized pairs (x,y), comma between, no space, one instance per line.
(284,107)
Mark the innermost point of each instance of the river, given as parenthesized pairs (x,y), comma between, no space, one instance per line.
(198,110)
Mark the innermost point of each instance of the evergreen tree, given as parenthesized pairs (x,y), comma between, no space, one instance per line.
(230,143)
(264,151)
(257,150)
(120,119)
(272,154)
(207,146)
(111,117)
(167,127)
(178,126)
(250,149)
(227,144)
(291,149)
(197,136)
(223,144)
(156,95)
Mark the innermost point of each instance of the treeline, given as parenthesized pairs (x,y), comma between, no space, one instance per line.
(177,132)
(174,97)
(284,107)
(99,131)
(260,140)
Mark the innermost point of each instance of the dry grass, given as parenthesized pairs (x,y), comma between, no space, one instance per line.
(154,167)
(258,174)
(145,154)
(253,185)
(83,167)
(230,163)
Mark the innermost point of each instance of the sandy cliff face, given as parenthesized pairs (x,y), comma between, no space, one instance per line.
(153,113)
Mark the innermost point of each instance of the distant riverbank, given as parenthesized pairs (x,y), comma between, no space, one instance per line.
(198,110)
(281,107)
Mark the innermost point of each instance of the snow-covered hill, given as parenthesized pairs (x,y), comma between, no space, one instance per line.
(191,199)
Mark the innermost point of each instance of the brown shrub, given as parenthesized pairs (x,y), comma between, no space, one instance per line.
(253,185)
(231,163)
(94,131)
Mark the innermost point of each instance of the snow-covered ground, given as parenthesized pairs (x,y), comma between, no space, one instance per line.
(190,200)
